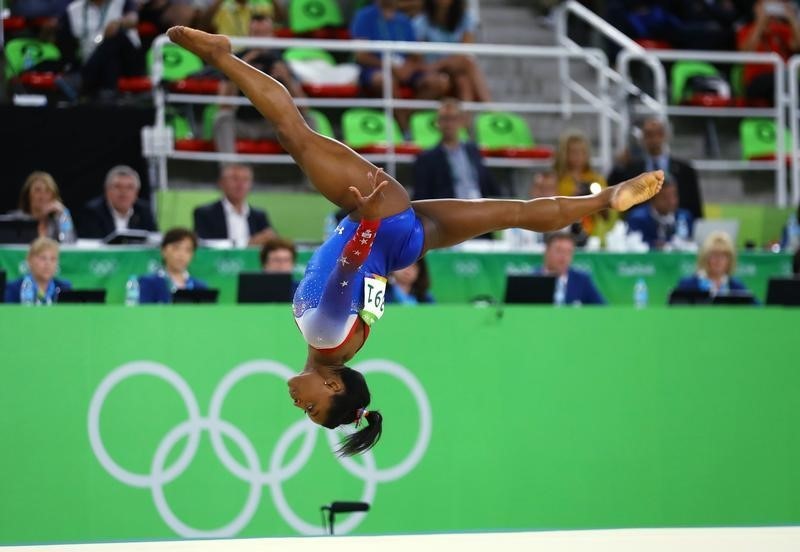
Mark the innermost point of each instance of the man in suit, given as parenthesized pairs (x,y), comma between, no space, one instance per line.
(661,219)
(231,218)
(656,155)
(573,287)
(454,168)
(118,208)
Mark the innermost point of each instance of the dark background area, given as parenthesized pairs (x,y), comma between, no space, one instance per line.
(77,145)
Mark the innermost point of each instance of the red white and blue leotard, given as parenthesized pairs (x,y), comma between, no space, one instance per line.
(330,296)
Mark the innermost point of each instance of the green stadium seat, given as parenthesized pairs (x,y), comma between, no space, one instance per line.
(179,67)
(23,53)
(322,123)
(682,71)
(507,135)
(759,139)
(178,63)
(181,129)
(209,115)
(364,130)
(310,15)
(425,132)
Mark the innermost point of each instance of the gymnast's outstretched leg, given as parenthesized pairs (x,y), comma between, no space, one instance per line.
(448,222)
(331,166)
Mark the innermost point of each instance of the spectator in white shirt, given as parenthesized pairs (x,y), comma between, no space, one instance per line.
(100,37)
(231,218)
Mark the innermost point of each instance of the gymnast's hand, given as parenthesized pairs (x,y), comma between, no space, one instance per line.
(370,207)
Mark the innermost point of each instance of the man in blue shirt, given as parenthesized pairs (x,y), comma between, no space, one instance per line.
(660,220)
(573,287)
(383,21)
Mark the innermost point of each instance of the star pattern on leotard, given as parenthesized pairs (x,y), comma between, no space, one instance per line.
(344,283)
(343,260)
(340,230)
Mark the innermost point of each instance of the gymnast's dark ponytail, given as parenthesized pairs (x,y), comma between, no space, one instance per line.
(350,407)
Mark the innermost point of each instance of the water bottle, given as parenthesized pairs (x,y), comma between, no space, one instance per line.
(26,292)
(132,292)
(560,295)
(640,294)
(682,230)
(66,233)
(28,61)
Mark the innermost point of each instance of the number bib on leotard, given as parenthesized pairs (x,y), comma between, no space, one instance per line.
(374,297)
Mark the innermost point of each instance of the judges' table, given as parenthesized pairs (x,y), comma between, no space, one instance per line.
(457,276)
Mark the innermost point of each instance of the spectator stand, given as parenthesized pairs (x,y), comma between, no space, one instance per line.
(519,151)
(771,147)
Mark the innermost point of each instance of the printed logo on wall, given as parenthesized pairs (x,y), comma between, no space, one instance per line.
(252,473)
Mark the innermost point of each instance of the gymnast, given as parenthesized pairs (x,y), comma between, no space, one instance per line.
(341,294)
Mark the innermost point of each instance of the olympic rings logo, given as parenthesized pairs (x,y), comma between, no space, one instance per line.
(252,473)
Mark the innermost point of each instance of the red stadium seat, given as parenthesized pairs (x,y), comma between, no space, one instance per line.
(134,84)
(196,86)
(704,99)
(652,44)
(147,29)
(405,148)
(42,81)
(536,152)
(14,23)
(331,90)
(194,144)
(259,146)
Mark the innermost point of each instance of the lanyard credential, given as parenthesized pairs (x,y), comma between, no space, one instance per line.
(98,32)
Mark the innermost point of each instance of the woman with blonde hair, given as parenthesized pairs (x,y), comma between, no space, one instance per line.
(39,286)
(577,178)
(716,263)
(40,199)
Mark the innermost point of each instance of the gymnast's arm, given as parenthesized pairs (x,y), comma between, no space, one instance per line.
(334,305)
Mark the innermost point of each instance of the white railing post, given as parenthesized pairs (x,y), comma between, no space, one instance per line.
(794,126)
(780,95)
(388,109)
(159,99)
(563,61)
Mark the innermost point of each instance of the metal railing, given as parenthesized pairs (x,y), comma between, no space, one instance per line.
(596,103)
(794,126)
(658,103)
(624,86)
(777,113)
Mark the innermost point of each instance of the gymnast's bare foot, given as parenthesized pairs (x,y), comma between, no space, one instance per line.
(208,46)
(636,190)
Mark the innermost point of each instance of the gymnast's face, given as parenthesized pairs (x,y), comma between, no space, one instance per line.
(312,392)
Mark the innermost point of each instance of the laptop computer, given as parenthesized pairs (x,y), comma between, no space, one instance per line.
(81,296)
(783,291)
(263,287)
(195,296)
(734,298)
(15,229)
(704,227)
(689,297)
(530,289)
(2,283)
(126,237)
